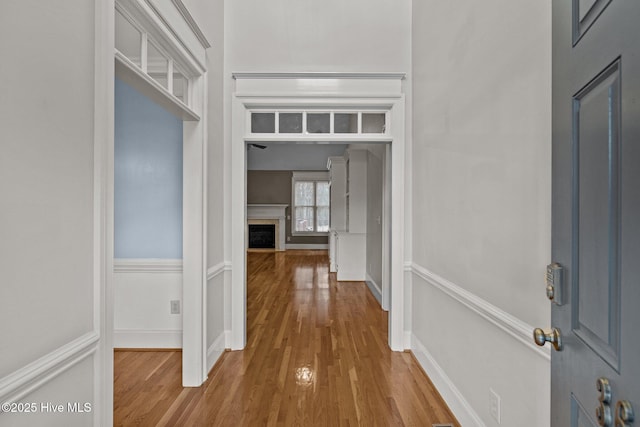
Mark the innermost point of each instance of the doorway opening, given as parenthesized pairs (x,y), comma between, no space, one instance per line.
(314,108)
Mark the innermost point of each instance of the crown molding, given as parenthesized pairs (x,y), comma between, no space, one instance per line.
(191,22)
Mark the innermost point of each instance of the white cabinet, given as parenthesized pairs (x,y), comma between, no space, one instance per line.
(347,237)
(351,256)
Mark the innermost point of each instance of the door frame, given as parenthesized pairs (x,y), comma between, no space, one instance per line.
(304,91)
(162,24)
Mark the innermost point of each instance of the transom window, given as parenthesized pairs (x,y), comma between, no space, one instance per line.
(311,203)
(318,122)
(137,48)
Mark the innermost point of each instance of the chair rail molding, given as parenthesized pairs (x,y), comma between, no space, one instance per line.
(20,383)
(513,326)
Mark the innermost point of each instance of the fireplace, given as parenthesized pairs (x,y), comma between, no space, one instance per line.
(273,215)
(262,236)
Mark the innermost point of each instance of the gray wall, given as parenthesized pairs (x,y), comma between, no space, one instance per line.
(275,187)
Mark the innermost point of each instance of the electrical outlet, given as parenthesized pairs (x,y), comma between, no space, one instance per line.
(494,405)
(175,306)
(288,238)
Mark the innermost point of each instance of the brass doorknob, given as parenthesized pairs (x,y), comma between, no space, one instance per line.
(541,337)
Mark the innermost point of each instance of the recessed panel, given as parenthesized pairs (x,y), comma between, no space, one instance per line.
(596,216)
(579,417)
(585,14)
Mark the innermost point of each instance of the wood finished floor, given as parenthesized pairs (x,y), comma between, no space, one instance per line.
(316,355)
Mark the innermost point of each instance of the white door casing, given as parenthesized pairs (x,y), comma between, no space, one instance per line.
(177,35)
(326,91)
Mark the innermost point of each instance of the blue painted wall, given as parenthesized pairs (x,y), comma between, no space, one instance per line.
(148,178)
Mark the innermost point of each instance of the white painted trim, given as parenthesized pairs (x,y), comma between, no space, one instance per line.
(462,410)
(149,265)
(214,271)
(307,246)
(194,245)
(147,338)
(318,75)
(103,144)
(215,350)
(362,90)
(192,23)
(25,380)
(513,326)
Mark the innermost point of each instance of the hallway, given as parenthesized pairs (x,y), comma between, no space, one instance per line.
(316,354)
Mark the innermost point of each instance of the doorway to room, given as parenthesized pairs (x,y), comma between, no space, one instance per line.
(263,103)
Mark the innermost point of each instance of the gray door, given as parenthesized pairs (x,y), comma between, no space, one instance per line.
(596,210)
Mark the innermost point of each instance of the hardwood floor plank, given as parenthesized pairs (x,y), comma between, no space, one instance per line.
(316,355)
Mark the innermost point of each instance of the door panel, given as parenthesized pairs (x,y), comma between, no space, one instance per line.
(596,205)
(596,213)
(585,14)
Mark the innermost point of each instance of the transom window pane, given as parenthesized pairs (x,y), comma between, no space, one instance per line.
(345,123)
(373,122)
(128,39)
(318,123)
(180,85)
(157,65)
(263,122)
(290,122)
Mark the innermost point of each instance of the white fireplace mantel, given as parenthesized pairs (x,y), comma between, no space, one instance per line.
(268,214)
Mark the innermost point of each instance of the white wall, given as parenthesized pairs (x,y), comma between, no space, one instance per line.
(481,198)
(143,291)
(50,315)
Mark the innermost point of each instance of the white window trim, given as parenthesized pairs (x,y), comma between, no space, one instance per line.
(305,176)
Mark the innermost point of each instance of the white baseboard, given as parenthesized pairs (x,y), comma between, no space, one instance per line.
(308,246)
(462,410)
(25,380)
(374,288)
(215,350)
(140,338)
